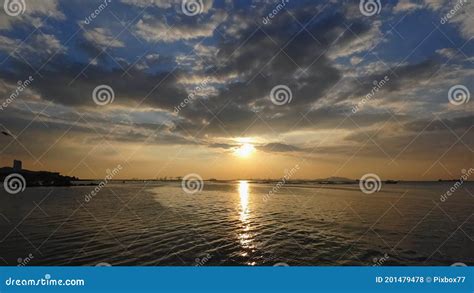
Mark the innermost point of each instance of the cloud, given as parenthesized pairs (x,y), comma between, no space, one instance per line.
(102,38)
(411,140)
(154,29)
(458,12)
(35,13)
(447,52)
(8,45)
(463,17)
(456,123)
(357,38)
(19,49)
(167,4)
(147,61)
(63,84)
(406,6)
(356,60)
(149,3)
(435,4)
(279,148)
(49,44)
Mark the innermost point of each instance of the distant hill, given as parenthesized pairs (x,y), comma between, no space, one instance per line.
(336,179)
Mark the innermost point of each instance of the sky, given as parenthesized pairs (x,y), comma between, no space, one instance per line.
(238,89)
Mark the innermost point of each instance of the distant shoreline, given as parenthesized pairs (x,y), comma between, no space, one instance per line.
(256,181)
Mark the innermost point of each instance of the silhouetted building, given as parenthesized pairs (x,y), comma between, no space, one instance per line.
(17,166)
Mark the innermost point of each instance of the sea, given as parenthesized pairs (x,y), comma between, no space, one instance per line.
(238,223)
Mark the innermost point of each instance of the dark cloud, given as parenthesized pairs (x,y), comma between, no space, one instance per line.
(261,58)
(404,77)
(72,84)
(457,123)
(279,148)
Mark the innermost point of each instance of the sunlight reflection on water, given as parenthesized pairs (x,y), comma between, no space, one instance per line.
(245,237)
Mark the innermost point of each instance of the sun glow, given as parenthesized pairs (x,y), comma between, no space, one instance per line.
(244,150)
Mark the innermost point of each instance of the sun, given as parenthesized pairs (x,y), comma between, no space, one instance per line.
(244,150)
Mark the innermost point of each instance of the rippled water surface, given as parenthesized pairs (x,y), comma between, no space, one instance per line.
(238,223)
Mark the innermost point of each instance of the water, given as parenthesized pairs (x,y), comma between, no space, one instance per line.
(238,224)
